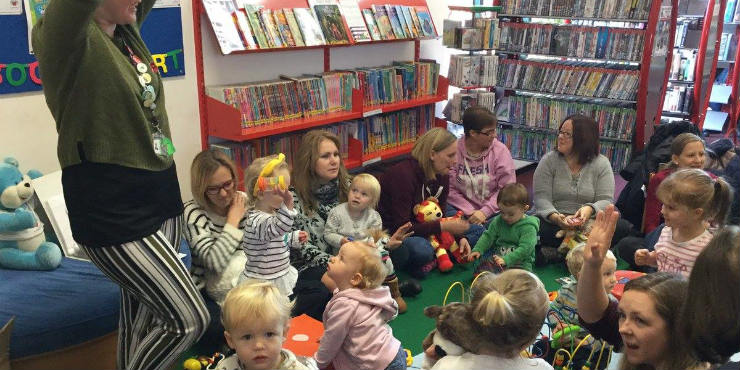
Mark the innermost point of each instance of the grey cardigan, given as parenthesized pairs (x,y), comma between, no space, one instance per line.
(556,190)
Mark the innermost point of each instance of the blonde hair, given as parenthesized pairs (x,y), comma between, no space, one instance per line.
(434,140)
(372,184)
(204,165)
(253,173)
(510,309)
(304,169)
(677,145)
(254,300)
(574,259)
(372,269)
(694,188)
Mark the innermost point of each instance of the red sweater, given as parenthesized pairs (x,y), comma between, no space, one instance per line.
(402,187)
(653,206)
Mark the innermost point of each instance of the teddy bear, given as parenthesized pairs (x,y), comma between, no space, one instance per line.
(23,245)
(455,332)
(443,242)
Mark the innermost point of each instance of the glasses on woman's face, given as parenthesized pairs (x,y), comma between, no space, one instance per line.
(215,189)
(489,133)
(565,134)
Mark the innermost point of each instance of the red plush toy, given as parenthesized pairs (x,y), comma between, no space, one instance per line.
(443,242)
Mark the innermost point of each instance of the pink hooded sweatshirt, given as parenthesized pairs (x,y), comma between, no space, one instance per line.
(475,182)
(356,331)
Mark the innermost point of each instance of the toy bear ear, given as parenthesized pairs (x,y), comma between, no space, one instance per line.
(11,161)
(433,199)
(432,311)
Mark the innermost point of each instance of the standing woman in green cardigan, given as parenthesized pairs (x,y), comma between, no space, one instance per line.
(118,174)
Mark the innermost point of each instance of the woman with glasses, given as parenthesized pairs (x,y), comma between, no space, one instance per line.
(571,184)
(214,224)
(483,166)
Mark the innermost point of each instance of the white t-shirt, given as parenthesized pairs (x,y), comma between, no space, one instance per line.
(676,257)
(470,361)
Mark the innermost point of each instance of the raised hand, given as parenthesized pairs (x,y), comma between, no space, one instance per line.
(601,235)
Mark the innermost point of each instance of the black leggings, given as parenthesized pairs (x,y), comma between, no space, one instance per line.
(311,296)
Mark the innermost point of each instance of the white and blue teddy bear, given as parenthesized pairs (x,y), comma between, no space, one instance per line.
(23,245)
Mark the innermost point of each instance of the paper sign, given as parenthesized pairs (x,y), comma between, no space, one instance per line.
(11,7)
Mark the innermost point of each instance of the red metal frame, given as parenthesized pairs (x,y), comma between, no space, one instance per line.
(701,111)
(734,78)
(227,121)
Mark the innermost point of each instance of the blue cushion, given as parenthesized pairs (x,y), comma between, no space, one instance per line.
(56,309)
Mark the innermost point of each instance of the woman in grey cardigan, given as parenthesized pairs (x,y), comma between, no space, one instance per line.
(573,182)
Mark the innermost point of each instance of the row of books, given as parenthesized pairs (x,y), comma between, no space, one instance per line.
(682,29)
(575,41)
(483,34)
(464,100)
(470,71)
(376,133)
(532,145)
(678,99)
(683,65)
(603,80)
(724,46)
(289,98)
(241,26)
(732,11)
(617,9)
(614,121)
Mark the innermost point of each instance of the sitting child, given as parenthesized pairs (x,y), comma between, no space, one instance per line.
(256,316)
(509,309)
(357,220)
(267,234)
(356,331)
(512,234)
(565,304)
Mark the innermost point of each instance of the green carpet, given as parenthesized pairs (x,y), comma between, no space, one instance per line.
(411,327)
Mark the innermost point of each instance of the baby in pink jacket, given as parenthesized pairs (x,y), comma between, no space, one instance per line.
(356,331)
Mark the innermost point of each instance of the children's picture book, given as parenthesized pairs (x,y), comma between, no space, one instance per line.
(220,14)
(410,20)
(355,22)
(331,21)
(244,30)
(253,17)
(383,22)
(310,28)
(426,22)
(293,25)
(371,26)
(395,22)
(282,26)
(402,20)
(415,19)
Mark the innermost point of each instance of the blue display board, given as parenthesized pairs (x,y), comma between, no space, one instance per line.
(162,32)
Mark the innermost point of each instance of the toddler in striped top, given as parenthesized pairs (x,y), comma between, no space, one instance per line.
(267,232)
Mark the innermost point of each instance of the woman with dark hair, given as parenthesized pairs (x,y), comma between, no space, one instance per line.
(572,183)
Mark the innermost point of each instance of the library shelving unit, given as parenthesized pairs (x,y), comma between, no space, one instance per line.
(730,63)
(707,59)
(734,77)
(685,48)
(221,121)
(647,63)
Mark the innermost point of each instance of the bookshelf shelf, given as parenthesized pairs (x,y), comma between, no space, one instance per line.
(552,131)
(476,9)
(589,98)
(681,82)
(676,114)
(352,44)
(565,57)
(572,18)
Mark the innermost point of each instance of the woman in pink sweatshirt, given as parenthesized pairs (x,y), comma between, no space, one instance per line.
(484,166)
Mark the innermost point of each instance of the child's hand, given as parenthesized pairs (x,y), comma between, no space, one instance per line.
(286,195)
(645,257)
(601,236)
(302,237)
(477,217)
(473,256)
(464,247)
(398,237)
(499,260)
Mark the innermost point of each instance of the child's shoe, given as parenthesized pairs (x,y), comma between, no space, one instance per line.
(396,294)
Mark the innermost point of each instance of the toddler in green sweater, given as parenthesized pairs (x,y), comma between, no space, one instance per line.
(512,233)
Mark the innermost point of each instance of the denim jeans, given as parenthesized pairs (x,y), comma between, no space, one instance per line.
(414,252)
(475,231)
(399,362)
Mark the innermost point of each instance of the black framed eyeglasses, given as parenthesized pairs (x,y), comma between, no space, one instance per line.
(565,134)
(488,133)
(213,190)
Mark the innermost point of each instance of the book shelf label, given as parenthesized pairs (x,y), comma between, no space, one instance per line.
(372,112)
(371,161)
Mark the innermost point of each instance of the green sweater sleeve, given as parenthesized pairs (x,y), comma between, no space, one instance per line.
(525,246)
(485,242)
(63,27)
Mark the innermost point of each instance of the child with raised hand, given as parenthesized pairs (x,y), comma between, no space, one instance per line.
(509,308)
(691,201)
(267,234)
(256,316)
(513,233)
(356,331)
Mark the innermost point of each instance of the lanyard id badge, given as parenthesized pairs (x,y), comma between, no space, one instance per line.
(162,145)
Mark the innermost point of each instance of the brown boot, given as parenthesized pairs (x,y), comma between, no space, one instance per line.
(396,294)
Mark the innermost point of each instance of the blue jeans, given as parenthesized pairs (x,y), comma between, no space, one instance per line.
(413,253)
(399,362)
(474,232)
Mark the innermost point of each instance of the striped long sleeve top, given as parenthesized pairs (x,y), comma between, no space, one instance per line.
(267,242)
(212,241)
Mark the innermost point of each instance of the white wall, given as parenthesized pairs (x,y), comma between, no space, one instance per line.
(28,132)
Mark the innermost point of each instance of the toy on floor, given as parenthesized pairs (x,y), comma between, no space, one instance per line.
(23,245)
(203,362)
(443,243)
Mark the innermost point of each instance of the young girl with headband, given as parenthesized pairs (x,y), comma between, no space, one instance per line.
(267,234)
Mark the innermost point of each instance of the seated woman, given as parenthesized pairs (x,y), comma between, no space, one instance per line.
(214,224)
(484,166)
(656,324)
(409,182)
(572,183)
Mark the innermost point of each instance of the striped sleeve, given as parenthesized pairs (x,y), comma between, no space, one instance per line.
(212,243)
(263,227)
